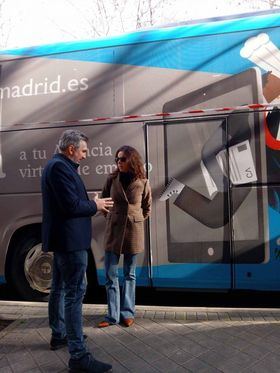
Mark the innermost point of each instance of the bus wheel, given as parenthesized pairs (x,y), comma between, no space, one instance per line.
(31,269)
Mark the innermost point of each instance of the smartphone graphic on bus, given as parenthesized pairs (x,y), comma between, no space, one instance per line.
(220,215)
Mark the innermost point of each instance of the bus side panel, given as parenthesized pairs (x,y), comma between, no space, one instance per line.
(25,154)
(122,80)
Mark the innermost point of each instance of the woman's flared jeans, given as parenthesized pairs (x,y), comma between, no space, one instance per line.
(120,305)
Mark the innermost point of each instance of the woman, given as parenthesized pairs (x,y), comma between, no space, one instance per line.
(124,234)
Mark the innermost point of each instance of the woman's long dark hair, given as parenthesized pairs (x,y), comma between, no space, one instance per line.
(135,162)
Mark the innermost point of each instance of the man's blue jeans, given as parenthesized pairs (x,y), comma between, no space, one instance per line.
(66,299)
(120,306)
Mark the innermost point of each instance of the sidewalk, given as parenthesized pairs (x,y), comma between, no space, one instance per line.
(163,339)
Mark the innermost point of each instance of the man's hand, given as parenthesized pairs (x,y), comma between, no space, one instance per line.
(103,204)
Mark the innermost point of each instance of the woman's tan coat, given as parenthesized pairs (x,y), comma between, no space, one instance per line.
(124,231)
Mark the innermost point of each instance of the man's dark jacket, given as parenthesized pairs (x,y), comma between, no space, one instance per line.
(67,209)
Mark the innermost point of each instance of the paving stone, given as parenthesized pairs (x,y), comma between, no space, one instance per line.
(266,344)
(166,348)
(276,315)
(226,350)
(180,357)
(219,335)
(212,315)
(170,315)
(238,343)
(136,364)
(53,366)
(246,316)
(44,356)
(257,316)
(113,330)
(169,336)
(118,368)
(139,313)
(208,341)
(268,317)
(193,348)
(152,341)
(230,367)
(3,363)
(149,314)
(234,316)
(159,315)
(23,362)
(167,365)
(155,328)
(137,346)
(139,331)
(121,353)
(198,366)
(6,369)
(213,359)
(201,316)
(191,316)
(126,339)
(149,354)
(223,316)
(243,360)
(180,315)
(269,364)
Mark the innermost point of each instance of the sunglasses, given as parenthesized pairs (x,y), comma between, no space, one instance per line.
(121,159)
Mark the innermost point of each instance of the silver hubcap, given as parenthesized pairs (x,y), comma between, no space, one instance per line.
(38,269)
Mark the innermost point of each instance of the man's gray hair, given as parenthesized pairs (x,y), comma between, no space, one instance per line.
(71,137)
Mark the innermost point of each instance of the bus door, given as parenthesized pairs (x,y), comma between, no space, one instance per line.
(253,267)
(190,225)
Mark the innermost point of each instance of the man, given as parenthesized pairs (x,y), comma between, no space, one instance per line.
(66,231)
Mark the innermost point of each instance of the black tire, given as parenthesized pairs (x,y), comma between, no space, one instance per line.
(21,249)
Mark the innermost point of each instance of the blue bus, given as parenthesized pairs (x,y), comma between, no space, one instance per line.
(200,102)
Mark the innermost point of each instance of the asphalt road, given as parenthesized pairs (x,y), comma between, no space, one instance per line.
(145,296)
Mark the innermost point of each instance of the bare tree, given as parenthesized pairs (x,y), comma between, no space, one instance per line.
(260,4)
(5,26)
(149,12)
(98,18)
(102,18)
(272,3)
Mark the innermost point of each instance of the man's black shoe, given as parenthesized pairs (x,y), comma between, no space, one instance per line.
(56,344)
(88,364)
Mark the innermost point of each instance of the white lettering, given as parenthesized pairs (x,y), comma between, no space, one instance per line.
(27,88)
(99,169)
(30,172)
(33,88)
(37,86)
(16,91)
(22,156)
(39,154)
(105,169)
(55,85)
(84,85)
(73,85)
(100,151)
(7,90)
(84,170)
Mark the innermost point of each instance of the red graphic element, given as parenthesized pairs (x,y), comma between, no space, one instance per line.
(271,141)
